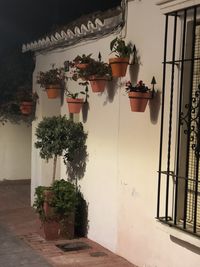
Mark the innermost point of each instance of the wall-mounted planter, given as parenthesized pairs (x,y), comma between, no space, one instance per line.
(119,66)
(75,104)
(53,91)
(82,66)
(138,100)
(26,107)
(98,84)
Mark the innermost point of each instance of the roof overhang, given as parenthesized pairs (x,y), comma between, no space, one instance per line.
(89,29)
(168,6)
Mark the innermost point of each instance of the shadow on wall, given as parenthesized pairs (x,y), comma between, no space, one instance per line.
(154,105)
(81,216)
(185,244)
(133,71)
(85,109)
(111,90)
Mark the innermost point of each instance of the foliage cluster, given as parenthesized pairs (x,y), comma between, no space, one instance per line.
(139,87)
(54,76)
(120,48)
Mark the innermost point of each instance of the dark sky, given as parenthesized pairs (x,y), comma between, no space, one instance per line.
(25,20)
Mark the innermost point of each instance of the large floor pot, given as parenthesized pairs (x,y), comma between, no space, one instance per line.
(98,84)
(51,230)
(119,66)
(74,104)
(138,101)
(26,107)
(53,91)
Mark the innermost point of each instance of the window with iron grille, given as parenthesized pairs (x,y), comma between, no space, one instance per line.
(178,202)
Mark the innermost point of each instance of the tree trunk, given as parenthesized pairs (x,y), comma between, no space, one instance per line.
(54,167)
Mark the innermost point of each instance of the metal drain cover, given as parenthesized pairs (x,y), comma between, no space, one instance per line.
(75,246)
(98,254)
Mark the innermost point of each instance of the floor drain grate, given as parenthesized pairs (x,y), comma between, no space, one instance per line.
(73,246)
(98,254)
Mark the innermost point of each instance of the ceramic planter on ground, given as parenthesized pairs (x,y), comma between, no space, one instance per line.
(26,107)
(56,228)
(53,90)
(119,66)
(98,84)
(138,100)
(75,104)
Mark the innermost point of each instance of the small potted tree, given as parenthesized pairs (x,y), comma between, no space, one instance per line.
(122,52)
(52,81)
(57,136)
(138,95)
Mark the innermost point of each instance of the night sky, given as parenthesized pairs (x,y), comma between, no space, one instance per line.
(24,20)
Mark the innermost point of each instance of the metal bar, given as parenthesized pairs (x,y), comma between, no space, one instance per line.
(170,115)
(179,116)
(182,60)
(162,115)
(179,177)
(189,117)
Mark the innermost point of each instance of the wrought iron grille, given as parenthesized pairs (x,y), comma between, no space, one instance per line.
(178,201)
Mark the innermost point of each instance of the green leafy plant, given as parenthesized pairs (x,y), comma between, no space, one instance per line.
(84,59)
(58,136)
(54,76)
(25,94)
(139,87)
(120,48)
(62,200)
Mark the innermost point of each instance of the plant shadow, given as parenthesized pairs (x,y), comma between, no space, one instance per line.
(85,109)
(111,90)
(81,216)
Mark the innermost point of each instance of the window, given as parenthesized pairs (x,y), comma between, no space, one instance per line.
(179,165)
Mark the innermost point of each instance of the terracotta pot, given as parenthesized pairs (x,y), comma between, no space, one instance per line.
(98,84)
(26,107)
(51,230)
(82,66)
(48,210)
(53,91)
(74,105)
(138,101)
(119,66)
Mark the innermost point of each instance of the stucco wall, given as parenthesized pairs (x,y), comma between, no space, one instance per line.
(15,152)
(120,183)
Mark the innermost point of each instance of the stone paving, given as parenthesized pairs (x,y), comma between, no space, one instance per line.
(25,232)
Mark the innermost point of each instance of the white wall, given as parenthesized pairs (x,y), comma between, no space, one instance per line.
(120,182)
(15,152)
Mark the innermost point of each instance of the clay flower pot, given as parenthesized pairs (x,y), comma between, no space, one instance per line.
(119,66)
(74,104)
(98,84)
(53,90)
(26,107)
(138,101)
(82,66)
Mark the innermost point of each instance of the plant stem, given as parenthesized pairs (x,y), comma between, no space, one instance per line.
(54,167)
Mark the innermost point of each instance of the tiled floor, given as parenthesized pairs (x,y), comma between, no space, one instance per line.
(19,217)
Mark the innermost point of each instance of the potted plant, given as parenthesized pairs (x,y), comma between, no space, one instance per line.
(74,102)
(98,74)
(52,81)
(82,62)
(138,95)
(56,136)
(122,52)
(56,208)
(26,100)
